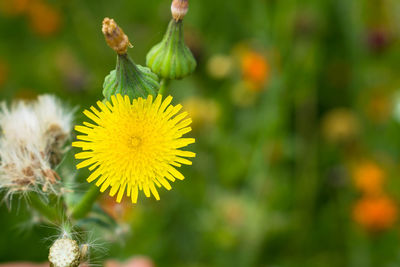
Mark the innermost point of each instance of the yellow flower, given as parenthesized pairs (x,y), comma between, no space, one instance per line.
(135,145)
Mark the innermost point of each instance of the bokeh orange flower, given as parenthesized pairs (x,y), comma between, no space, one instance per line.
(14,7)
(120,212)
(368,178)
(375,213)
(44,19)
(255,69)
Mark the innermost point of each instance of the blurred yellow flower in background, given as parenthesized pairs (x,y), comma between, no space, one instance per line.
(375,213)
(340,124)
(379,107)
(204,112)
(135,145)
(242,95)
(220,66)
(369,178)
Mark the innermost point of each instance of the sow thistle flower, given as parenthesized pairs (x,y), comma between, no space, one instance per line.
(134,145)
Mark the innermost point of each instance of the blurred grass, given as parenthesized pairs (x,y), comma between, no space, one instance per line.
(267,188)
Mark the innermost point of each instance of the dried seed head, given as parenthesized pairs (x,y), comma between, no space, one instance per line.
(179,9)
(115,36)
(32,144)
(64,253)
(58,137)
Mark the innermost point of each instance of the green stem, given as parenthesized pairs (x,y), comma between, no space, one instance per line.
(43,208)
(164,86)
(86,203)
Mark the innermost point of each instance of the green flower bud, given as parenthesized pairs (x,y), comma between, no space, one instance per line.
(130,79)
(171,58)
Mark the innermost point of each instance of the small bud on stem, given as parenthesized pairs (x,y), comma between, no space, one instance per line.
(84,249)
(171,58)
(127,79)
(179,9)
(64,253)
(115,36)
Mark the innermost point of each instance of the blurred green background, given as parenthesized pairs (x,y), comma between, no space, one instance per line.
(296,110)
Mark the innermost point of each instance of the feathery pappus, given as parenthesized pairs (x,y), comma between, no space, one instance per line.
(32,138)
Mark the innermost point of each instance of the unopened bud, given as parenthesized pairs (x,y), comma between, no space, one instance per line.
(171,58)
(115,36)
(84,252)
(179,9)
(64,253)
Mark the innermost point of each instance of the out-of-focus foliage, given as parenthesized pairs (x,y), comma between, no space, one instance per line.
(296,112)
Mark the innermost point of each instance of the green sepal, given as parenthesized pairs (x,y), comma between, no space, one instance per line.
(130,79)
(171,58)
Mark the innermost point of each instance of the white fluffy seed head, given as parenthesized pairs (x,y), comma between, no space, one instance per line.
(64,253)
(19,124)
(31,144)
(55,122)
(50,111)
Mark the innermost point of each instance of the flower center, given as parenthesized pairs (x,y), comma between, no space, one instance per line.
(136,141)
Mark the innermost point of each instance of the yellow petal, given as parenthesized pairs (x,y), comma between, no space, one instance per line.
(121,192)
(183,161)
(154,191)
(146,190)
(134,194)
(84,155)
(91,116)
(85,163)
(175,173)
(83,129)
(164,183)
